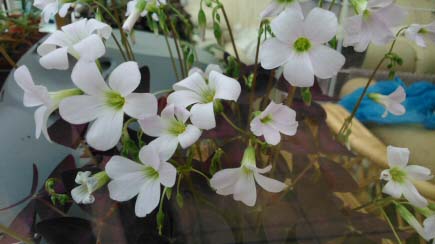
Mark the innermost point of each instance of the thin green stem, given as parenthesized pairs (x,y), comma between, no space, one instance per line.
(331,5)
(291,95)
(391,225)
(200,173)
(177,46)
(348,120)
(320,3)
(171,54)
(14,235)
(233,42)
(233,125)
(119,47)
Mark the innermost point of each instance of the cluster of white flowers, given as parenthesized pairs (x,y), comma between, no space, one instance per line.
(299,45)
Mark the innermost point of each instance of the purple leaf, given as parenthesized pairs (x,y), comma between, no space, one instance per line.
(337,177)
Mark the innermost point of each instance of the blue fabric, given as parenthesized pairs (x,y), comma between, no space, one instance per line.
(419,104)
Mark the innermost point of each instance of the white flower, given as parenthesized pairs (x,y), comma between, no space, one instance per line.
(38,96)
(51,7)
(106,104)
(241,181)
(208,70)
(171,128)
(140,8)
(429,228)
(88,184)
(298,47)
(373,23)
(143,179)
(81,39)
(400,177)
(392,102)
(202,93)
(275,7)
(419,33)
(274,119)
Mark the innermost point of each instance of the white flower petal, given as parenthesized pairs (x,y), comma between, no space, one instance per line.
(64,9)
(274,53)
(320,25)
(167,174)
(288,26)
(102,29)
(271,135)
(126,187)
(225,178)
(81,109)
(189,137)
(381,34)
(80,195)
(284,120)
(263,170)
(149,155)
(166,146)
(413,196)
(148,199)
(87,78)
(392,15)
(183,98)
(397,156)
(58,38)
(418,172)
(213,67)
(226,88)
(298,70)
(269,184)
(399,95)
(23,78)
(41,117)
(38,95)
(125,78)
(326,62)
(393,189)
(181,114)
(203,116)
(272,10)
(140,105)
(106,131)
(244,189)
(196,70)
(195,83)
(90,48)
(152,126)
(429,227)
(57,59)
(396,109)
(256,126)
(119,166)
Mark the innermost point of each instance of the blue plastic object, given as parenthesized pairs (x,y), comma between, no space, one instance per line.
(419,104)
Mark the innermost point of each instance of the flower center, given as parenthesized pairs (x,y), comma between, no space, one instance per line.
(285,1)
(177,128)
(115,100)
(422,31)
(266,119)
(208,95)
(302,44)
(150,172)
(398,175)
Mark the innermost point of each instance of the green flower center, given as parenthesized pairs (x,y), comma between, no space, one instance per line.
(150,172)
(422,31)
(302,44)
(266,119)
(398,175)
(177,128)
(208,95)
(285,1)
(115,100)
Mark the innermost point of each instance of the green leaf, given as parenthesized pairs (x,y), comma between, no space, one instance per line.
(208,3)
(391,74)
(202,19)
